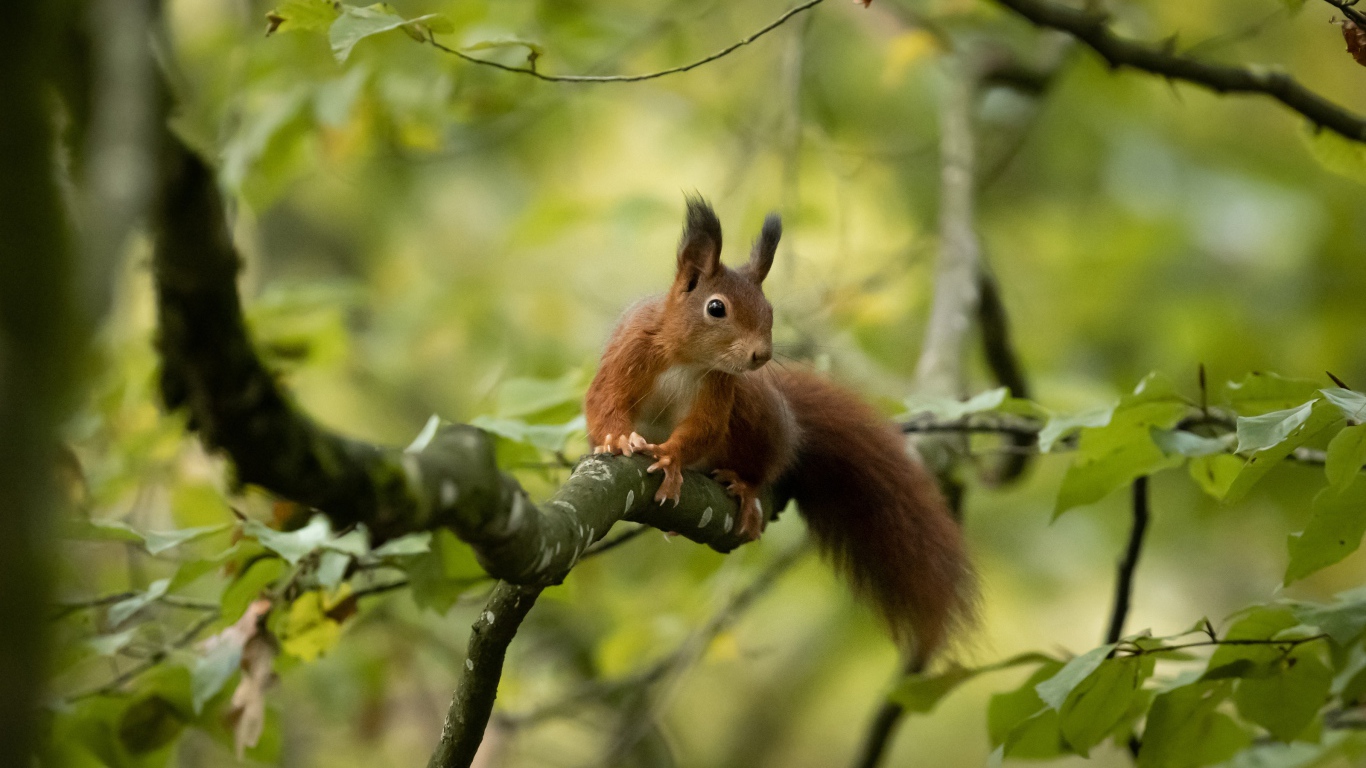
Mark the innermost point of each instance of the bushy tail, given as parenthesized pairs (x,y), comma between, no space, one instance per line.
(878,515)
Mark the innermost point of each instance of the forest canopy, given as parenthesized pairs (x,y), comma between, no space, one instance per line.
(299,302)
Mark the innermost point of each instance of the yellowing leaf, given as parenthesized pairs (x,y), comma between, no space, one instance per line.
(308,631)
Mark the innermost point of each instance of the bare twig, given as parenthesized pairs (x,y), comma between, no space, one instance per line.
(175,601)
(640,718)
(686,653)
(1092,28)
(1124,582)
(1345,6)
(1287,643)
(532,72)
(187,637)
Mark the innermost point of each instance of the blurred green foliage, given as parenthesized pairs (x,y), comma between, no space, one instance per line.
(426,236)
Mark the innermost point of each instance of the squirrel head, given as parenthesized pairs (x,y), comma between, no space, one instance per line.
(715,316)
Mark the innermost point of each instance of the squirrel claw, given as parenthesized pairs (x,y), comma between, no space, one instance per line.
(752,521)
(672,487)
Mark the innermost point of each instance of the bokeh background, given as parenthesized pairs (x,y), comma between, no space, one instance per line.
(422,234)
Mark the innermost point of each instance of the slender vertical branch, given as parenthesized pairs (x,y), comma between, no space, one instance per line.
(469,712)
(939,370)
(1124,583)
(1005,367)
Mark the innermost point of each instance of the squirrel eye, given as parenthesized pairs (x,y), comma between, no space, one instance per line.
(716,308)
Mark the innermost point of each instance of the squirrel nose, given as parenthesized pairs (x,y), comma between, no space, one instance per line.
(759,357)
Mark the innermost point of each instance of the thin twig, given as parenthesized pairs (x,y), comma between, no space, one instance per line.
(1124,582)
(1345,6)
(69,607)
(686,652)
(531,71)
(1093,29)
(1290,643)
(151,661)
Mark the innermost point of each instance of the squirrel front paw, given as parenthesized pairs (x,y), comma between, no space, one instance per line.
(672,487)
(751,512)
(627,445)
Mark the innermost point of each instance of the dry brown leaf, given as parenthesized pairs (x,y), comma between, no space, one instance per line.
(1356,40)
(246,713)
(243,630)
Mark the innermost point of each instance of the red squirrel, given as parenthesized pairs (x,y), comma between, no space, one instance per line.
(684,380)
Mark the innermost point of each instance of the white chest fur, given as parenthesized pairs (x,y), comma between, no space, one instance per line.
(673,395)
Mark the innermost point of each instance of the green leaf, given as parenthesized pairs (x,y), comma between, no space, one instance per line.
(355,24)
(1343,620)
(212,671)
(1059,427)
(331,569)
(1099,704)
(302,16)
(1112,456)
(1352,404)
(110,645)
(1262,462)
(440,576)
(121,611)
(921,693)
(1262,392)
(951,409)
(160,541)
(1183,443)
(525,398)
(1215,474)
(1333,533)
(1337,153)
(1286,702)
(1055,690)
(249,586)
(411,544)
(1346,455)
(1261,622)
(1257,433)
(1020,719)
(1185,731)
(545,437)
(508,42)
(149,724)
(293,546)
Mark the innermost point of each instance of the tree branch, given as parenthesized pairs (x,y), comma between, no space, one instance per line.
(1124,582)
(1092,28)
(447,478)
(531,70)
(469,712)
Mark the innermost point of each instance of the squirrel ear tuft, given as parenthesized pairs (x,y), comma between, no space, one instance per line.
(765,246)
(699,250)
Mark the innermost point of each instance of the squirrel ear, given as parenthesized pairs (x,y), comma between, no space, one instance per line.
(699,250)
(765,245)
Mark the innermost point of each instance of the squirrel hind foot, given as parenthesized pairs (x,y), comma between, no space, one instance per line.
(752,521)
(672,487)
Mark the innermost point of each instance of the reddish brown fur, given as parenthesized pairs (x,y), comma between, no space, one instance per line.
(873,510)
